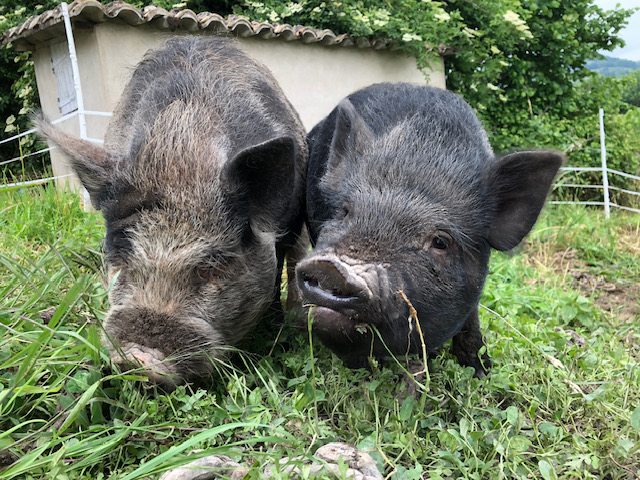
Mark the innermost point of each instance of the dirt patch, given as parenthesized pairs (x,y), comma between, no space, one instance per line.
(621,299)
(628,238)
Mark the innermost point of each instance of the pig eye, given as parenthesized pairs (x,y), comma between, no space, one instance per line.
(209,273)
(441,241)
(344,211)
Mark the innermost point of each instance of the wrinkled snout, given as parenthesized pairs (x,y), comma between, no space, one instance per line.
(329,282)
(347,296)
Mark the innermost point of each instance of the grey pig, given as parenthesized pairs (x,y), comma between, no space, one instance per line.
(201,185)
(405,198)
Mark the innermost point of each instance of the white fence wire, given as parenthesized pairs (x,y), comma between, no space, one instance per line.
(44,150)
(603,171)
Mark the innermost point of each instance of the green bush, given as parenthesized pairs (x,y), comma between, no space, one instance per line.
(631,93)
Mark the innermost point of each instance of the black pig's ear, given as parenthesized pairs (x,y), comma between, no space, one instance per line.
(520,183)
(262,177)
(351,134)
(90,162)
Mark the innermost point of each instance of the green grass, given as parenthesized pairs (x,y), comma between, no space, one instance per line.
(562,400)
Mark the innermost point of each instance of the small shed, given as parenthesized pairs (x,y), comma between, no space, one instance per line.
(315,68)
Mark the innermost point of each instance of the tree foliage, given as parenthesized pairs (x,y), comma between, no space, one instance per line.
(512,60)
(521,65)
(631,92)
(18,94)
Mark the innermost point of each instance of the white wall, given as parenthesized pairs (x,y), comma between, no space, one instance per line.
(314,77)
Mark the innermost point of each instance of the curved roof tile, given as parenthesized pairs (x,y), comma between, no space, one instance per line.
(50,24)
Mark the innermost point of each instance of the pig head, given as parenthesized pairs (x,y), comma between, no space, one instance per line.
(405,198)
(200,182)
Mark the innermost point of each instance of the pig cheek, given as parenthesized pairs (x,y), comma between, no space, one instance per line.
(230,311)
(244,294)
(116,283)
(444,297)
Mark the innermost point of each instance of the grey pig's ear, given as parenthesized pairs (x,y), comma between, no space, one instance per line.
(520,183)
(262,177)
(91,163)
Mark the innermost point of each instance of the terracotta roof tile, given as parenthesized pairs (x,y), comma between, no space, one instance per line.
(50,24)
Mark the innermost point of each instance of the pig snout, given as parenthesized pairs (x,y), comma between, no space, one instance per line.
(344,293)
(167,347)
(153,363)
(347,296)
(330,283)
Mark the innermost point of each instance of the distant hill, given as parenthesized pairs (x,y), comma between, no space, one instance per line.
(612,66)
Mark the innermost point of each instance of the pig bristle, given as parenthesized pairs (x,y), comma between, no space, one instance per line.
(199,253)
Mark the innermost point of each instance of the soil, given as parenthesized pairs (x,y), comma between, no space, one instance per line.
(621,298)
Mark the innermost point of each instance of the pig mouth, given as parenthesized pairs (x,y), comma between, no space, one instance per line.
(335,299)
(339,301)
(152,362)
(345,296)
(343,333)
(329,322)
(165,371)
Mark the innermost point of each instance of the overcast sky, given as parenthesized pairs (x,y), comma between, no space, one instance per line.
(631,33)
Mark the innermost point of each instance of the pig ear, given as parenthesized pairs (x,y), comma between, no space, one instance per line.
(351,134)
(90,162)
(262,176)
(520,182)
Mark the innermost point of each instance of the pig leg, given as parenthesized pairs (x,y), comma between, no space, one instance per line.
(285,249)
(466,345)
(275,314)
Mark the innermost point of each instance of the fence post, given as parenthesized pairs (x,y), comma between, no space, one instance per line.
(82,119)
(75,70)
(605,175)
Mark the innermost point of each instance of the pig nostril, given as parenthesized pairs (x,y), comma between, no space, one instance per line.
(324,292)
(312,282)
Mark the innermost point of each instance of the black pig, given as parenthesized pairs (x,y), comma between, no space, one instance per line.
(201,184)
(405,196)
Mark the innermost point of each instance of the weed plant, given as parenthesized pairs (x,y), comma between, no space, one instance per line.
(562,400)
